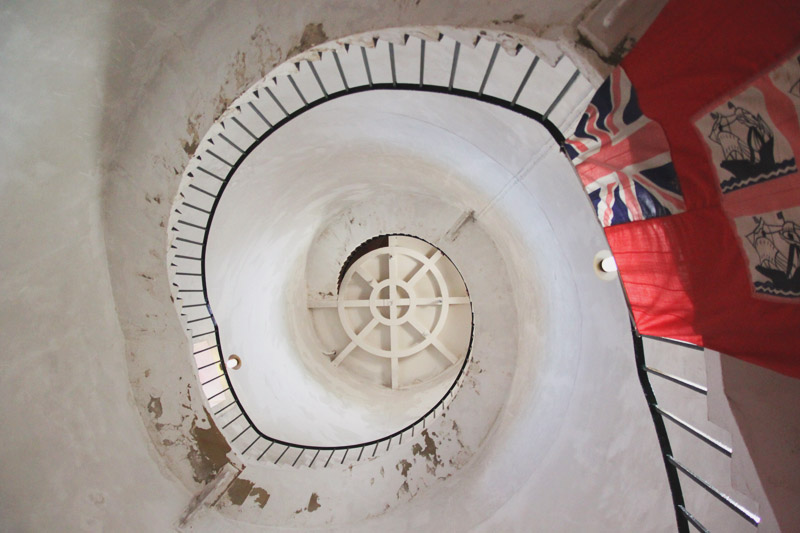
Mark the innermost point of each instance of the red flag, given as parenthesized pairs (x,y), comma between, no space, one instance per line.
(718,77)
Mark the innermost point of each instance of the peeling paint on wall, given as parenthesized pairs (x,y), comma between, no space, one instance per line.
(403,489)
(210,453)
(313,34)
(513,20)
(190,145)
(428,452)
(239,490)
(403,467)
(313,504)
(154,407)
(614,58)
(261,496)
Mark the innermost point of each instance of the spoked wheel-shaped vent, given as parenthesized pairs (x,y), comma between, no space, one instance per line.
(405,303)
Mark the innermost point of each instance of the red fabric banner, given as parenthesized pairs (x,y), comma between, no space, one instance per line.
(721,273)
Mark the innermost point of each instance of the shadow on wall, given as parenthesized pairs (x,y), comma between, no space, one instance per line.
(765,407)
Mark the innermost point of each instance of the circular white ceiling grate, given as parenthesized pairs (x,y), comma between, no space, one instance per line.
(404,303)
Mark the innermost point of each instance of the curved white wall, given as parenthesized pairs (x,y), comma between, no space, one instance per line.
(391,162)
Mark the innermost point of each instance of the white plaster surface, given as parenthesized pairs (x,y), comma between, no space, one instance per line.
(377,163)
(75,452)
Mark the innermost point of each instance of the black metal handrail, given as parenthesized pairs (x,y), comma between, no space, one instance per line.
(242,152)
(683,517)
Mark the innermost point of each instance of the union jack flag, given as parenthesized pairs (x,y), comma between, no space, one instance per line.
(623,158)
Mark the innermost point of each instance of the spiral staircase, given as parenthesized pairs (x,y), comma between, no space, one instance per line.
(246,360)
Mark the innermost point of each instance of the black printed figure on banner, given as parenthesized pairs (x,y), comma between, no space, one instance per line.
(748,148)
(795,89)
(777,245)
(752,135)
